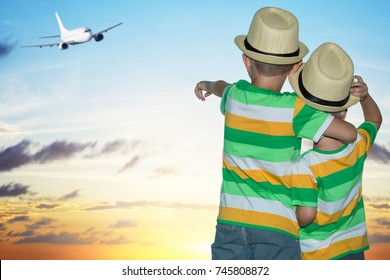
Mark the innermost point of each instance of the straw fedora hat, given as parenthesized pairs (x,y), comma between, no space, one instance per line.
(272,38)
(325,80)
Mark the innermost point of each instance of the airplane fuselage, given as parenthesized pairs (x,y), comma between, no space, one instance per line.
(74,36)
(77,36)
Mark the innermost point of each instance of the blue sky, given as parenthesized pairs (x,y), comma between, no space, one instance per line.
(115,125)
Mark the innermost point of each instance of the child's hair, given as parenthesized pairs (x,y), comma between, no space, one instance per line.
(269,70)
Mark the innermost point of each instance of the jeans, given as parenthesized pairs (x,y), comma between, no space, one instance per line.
(354,257)
(242,243)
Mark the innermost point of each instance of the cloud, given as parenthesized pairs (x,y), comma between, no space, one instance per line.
(376,198)
(379,153)
(21,234)
(379,238)
(15,156)
(69,196)
(60,150)
(6,48)
(118,240)
(23,218)
(164,171)
(47,206)
(380,206)
(122,223)
(13,189)
(6,214)
(40,223)
(60,238)
(117,205)
(383,221)
(2,227)
(27,152)
(144,203)
(20,154)
(130,164)
(9,130)
(119,145)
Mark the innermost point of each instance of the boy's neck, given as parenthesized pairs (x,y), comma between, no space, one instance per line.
(274,83)
(328,144)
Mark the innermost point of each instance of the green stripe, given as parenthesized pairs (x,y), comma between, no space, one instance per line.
(336,192)
(245,93)
(307,122)
(365,248)
(258,139)
(304,196)
(234,184)
(356,217)
(261,153)
(371,128)
(346,178)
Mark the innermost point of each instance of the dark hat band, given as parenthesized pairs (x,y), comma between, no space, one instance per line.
(317,100)
(252,49)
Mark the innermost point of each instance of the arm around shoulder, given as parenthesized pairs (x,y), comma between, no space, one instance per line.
(341,130)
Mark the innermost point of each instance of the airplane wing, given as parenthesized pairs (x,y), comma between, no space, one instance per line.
(41,46)
(54,36)
(105,30)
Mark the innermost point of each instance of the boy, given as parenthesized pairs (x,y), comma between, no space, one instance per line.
(262,135)
(327,180)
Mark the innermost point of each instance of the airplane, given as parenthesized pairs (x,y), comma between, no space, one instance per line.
(74,36)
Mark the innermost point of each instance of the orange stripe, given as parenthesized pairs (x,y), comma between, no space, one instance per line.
(260,175)
(337,249)
(324,219)
(332,166)
(260,219)
(258,126)
(366,137)
(298,106)
(303,181)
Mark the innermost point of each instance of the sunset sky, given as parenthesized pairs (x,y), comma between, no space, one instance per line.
(105,153)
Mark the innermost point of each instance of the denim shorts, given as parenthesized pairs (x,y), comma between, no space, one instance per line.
(243,243)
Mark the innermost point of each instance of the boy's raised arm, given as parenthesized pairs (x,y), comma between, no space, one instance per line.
(204,89)
(370,108)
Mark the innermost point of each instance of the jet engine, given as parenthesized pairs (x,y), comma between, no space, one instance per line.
(99,37)
(63,46)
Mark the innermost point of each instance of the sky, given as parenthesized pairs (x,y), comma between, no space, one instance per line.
(105,153)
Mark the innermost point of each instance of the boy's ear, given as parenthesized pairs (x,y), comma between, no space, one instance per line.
(345,114)
(296,67)
(247,62)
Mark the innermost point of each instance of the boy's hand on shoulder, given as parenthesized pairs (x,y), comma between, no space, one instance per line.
(359,88)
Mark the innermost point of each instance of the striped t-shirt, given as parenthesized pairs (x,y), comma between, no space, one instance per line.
(332,182)
(263,131)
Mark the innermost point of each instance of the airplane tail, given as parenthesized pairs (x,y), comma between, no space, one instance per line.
(60,25)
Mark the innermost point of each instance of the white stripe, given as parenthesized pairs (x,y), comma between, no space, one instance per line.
(322,129)
(302,165)
(317,158)
(336,206)
(258,112)
(310,245)
(257,205)
(276,168)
